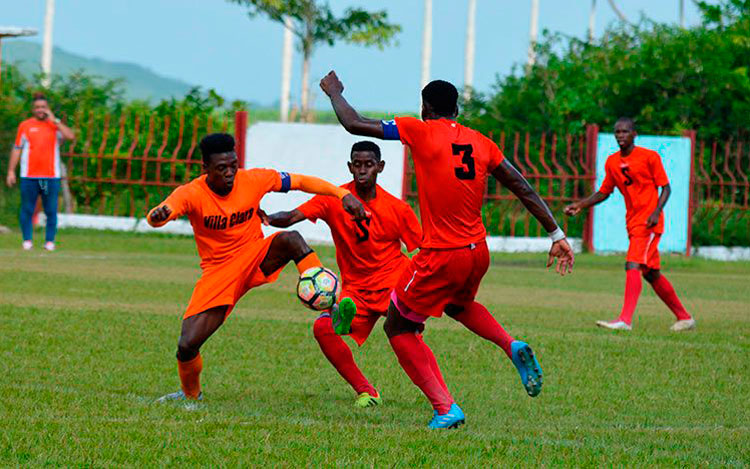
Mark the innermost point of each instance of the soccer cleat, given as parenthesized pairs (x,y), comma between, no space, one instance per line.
(365,399)
(528,367)
(178,396)
(342,316)
(452,419)
(27,245)
(49,246)
(615,325)
(683,325)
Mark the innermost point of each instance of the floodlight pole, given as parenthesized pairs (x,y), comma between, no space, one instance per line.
(469,54)
(49,18)
(592,20)
(286,70)
(533,27)
(426,43)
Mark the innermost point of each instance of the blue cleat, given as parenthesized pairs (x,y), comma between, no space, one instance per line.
(528,367)
(452,419)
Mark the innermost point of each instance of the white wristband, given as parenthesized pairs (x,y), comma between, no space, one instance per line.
(557,235)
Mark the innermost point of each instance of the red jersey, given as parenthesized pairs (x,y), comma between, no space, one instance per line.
(223,225)
(39,142)
(452,163)
(368,252)
(638,177)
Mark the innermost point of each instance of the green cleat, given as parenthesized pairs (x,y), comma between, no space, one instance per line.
(366,399)
(342,316)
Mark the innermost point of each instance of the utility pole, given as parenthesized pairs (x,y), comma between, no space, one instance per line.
(286,70)
(426,43)
(682,13)
(469,53)
(533,26)
(49,17)
(592,20)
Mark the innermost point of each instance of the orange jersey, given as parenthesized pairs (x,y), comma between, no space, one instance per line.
(39,142)
(638,177)
(222,226)
(368,252)
(452,163)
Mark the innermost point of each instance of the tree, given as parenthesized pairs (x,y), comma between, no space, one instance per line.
(314,23)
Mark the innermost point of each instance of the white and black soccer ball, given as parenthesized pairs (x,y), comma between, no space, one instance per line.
(318,288)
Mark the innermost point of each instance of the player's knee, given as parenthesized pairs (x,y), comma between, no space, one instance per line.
(187,349)
(651,275)
(395,324)
(295,244)
(632,266)
(322,327)
(453,310)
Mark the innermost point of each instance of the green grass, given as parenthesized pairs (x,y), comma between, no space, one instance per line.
(89,335)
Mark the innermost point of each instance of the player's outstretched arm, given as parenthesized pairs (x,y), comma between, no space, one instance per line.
(314,185)
(516,183)
(349,118)
(282,219)
(576,207)
(159,216)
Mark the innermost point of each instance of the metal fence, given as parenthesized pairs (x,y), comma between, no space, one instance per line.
(121,165)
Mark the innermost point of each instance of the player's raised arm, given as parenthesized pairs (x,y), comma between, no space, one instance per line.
(314,185)
(516,183)
(352,121)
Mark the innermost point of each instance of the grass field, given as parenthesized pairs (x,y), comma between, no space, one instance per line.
(89,335)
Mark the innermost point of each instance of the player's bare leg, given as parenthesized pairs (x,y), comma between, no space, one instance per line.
(417,360)
(340,356)
(195,332)
(664,289)
(478,320)
(291,246)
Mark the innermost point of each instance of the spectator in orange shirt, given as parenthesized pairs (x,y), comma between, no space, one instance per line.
(37,148)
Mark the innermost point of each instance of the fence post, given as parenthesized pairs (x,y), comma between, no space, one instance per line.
(240,135)
(592,135)
(691,134)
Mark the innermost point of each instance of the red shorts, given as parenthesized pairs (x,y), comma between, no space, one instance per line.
(371,306)
(436,278)
(224,284)
(644,249)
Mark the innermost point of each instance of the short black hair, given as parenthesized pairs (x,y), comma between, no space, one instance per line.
(627,120)
(441,96)
(366,145)
(216,143)
(38,97)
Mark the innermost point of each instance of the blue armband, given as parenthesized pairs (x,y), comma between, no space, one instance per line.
(390,130)
(286,182)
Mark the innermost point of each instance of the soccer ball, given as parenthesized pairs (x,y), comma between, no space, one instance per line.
(318,288)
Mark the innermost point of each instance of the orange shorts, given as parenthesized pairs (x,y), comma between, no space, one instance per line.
(371,305)
(644,249)
(226,283)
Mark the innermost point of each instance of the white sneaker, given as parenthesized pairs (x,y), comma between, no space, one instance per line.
(27,245)
(683,325)
(615,325)
(49,246)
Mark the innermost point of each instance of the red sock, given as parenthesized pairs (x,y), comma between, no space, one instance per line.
(414,360)
(633,287)
(340,356)
(190,376)
(478,320)
(666,292)
(434,366)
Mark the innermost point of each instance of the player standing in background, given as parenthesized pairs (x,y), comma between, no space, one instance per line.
(368,253)
(638,173)
(452,163)
(222,206)
(37,148)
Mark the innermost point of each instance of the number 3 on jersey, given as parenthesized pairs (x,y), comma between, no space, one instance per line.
(467,169)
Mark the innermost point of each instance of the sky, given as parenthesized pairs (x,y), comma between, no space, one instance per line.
(214,44)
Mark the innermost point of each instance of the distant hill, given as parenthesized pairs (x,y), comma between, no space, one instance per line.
(139,82)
